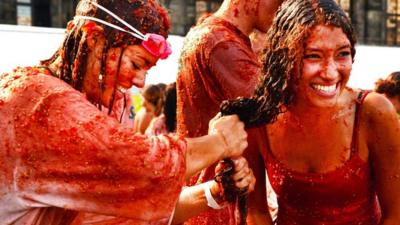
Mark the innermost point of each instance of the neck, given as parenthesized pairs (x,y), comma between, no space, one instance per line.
(239,13)
(91,85)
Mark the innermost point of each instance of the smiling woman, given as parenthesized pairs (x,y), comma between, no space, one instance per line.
(326,67)
(332,153)
(60,155)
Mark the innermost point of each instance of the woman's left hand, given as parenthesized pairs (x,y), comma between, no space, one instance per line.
(243,178)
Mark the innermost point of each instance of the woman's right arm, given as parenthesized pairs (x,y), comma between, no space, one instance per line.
(73,156)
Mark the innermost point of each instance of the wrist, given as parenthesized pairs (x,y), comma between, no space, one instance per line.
(216,192)
(212,195)
(220,144)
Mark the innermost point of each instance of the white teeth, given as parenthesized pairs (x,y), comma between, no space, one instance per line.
(121,89)
(327,89)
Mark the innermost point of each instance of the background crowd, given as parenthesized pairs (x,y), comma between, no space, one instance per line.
(248,117)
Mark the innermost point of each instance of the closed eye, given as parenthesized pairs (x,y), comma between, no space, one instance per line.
(135,66)
(311,56)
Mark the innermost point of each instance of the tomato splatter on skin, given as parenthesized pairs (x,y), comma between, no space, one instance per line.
(236,12)
(64,145)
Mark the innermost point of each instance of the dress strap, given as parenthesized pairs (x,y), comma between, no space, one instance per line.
(356,127)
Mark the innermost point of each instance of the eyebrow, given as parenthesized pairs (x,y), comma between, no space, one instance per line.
(340,48)
(345,46)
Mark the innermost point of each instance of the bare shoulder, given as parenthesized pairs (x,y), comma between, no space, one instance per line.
(377,109)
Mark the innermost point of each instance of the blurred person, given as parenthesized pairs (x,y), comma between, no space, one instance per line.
(162,86)
(390,87)
(152,97)
(332,153)
(60,154)
(166,122)
(218,63)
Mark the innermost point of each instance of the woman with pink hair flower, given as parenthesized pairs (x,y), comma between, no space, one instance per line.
(60,154)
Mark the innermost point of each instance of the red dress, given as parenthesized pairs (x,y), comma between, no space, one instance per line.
(58,151)
(217,63)
(345,196)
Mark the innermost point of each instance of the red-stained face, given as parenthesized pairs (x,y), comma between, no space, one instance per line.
(266,13)
(327,64)
(135,63)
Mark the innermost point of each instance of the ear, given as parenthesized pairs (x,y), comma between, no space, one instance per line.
(93,32)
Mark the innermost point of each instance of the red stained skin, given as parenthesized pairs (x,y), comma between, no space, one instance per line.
(60,151)
(220,66)
(309,197)
(236,12)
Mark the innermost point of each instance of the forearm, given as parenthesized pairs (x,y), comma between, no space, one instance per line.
(192,201)
(203,152)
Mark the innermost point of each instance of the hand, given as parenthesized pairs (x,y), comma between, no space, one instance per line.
(231,132)
(243,178)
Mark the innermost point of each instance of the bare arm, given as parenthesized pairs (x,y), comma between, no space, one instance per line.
(192,200)
(76,157)
(383,132)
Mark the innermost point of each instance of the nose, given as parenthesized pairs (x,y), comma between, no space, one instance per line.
(330,70)
(139,78)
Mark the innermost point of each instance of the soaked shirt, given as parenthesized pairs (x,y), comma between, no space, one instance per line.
(217,63)
(345,196)
(59,155)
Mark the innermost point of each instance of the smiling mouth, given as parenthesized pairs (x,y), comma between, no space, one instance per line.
(121,89)
(325,89)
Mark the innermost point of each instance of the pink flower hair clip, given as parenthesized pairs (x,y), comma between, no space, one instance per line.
(153,43)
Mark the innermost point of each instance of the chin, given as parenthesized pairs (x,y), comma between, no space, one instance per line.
(325,103)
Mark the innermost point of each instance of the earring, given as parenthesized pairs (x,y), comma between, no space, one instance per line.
(101,90)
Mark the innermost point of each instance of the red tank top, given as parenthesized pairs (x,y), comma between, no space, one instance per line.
(345,196)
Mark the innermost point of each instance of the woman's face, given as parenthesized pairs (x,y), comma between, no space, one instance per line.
(327,64)
(135,63)
(147,105)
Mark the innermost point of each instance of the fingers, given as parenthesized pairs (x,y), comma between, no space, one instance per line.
(248,182)
(232,134)
(243,176)
(211,124)
(216,117)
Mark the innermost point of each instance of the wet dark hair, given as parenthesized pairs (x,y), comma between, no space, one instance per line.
(288,34)
(390,86)
(145,15)
(154,94)
(170,107)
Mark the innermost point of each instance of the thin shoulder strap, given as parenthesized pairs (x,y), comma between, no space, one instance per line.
(356,126)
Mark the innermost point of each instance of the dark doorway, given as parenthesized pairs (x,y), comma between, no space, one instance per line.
(41,13)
